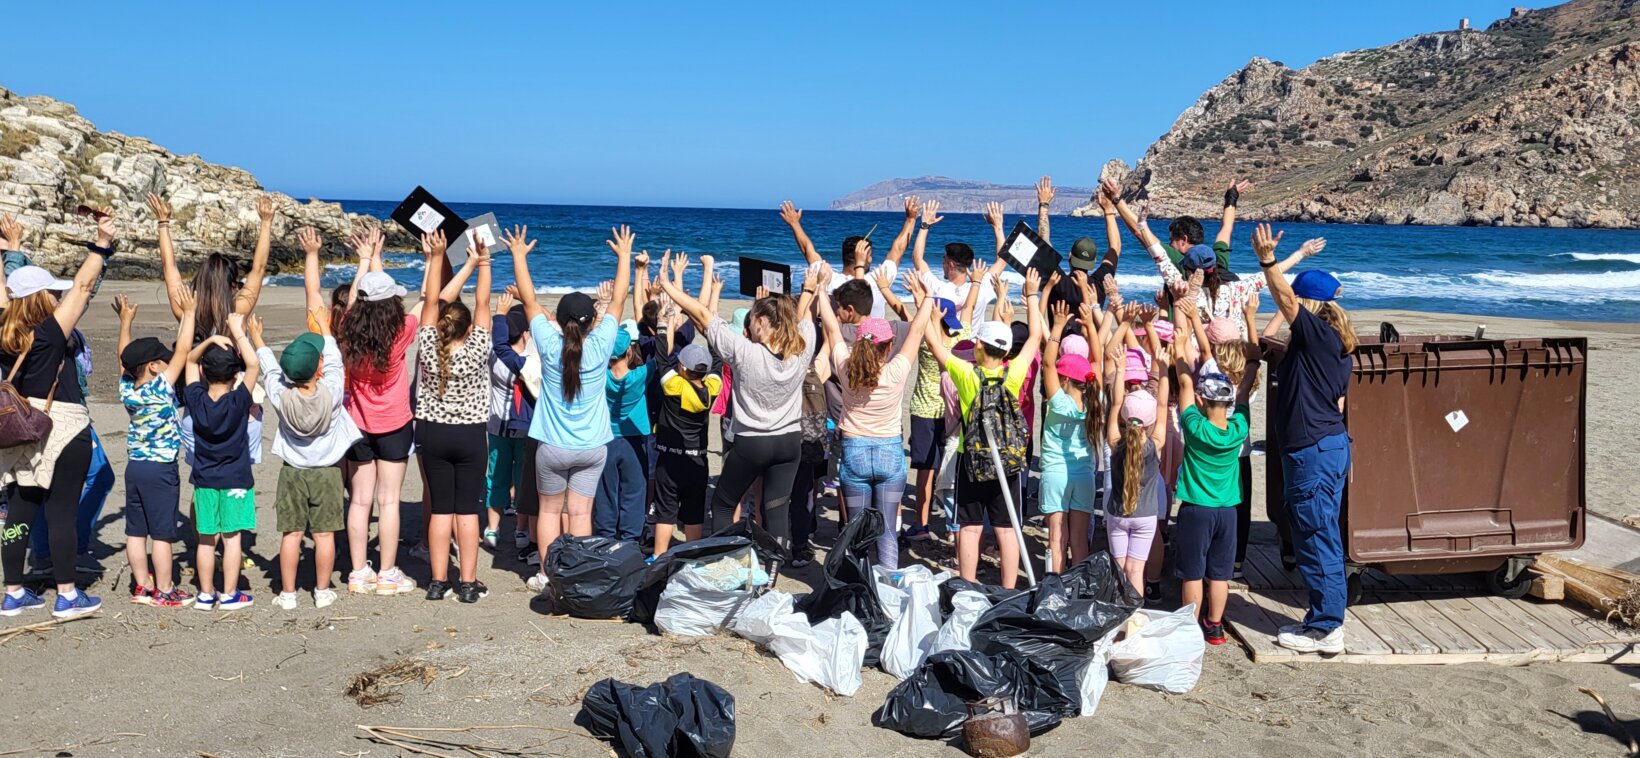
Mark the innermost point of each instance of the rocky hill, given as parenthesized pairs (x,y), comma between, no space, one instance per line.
(956,196)
(1533,122)
(52,160)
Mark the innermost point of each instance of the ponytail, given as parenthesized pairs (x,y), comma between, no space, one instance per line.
(575,336)
(454,323)
(1133,464)
(1093,418)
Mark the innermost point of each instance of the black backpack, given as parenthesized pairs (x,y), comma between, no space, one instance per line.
(995,409)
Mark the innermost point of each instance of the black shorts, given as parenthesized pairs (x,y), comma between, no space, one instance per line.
(525,492)
(1204,543)
(392,446)
(152,492)
(680,489)
(927,443)
(979,502)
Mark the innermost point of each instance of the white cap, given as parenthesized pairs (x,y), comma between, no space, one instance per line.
(28,280)
(996,334)
(377,285)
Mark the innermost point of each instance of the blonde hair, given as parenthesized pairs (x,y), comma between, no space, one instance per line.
(1336,317)
(865,364)
(1232,359)
(1133,464)
(20,319)
(783,338)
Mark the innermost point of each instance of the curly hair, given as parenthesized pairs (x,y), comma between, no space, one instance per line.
(865,364)
(455,321)
(369,332)
(216,283)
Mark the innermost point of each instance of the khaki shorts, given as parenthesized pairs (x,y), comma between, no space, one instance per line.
(309,499)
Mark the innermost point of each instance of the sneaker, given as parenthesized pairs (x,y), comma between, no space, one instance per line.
(510,510)
(1213,632)
(87,563)
(1153,594)
(801,560)
(437,590)
(491,538)
(918,534)
(394,582)
(529,556)
(650,560)
(205,602)
(362,580)
(1236,574)
(234,602)
(470,592)
(143,595)
(286,601)
(176,597)
(1309,640)
(79,605)
(537,583)
(15,604)
(324,598)
(1289,564)
(1289,629)
(521,540)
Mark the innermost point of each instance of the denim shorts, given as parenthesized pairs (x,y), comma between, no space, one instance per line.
(869,461)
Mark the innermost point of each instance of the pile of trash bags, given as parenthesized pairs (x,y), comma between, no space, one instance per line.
(682,716)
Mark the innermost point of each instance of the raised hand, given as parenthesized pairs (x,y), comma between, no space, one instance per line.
(1264,242)
(125,309)
(1061,316)
(884,281)
(1233,194)
(11,233)
(931,213)
(993,213)
(621,240)
(310,240)
(1141,212)
(790,214)
(606,293)
(511,291)
(913,206)
(105,227)
(1084,314)
(264,208)
(162,209)
(1105,203)
(822,273)
(432,243)
(505,302)
(1109,189)
(1001,286)
(761,292)
(1312,246)
(642,258)
(253,325)
(320,317)
(1044,190)
(976,272)
(1193,289)
(680,262)
(1053,279)
(364,243)
(914,285)
(479,251)
(1033,282)
(183,297)
(1113,296)
(518,242)
(236,324)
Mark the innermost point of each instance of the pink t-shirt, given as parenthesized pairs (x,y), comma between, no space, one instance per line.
(379,401)
(874,411)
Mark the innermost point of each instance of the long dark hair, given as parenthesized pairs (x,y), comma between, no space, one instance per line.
(369,331)
(575,336)
(454,323)
(216,282)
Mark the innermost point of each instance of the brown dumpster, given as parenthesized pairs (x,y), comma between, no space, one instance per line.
(1467,455)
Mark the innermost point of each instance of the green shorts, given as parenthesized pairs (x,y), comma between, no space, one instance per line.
(224,511)
(309,499)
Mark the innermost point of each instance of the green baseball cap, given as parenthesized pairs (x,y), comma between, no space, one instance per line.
(300,361)
(1084,254)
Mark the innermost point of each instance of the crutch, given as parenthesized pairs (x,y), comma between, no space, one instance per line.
(1008,500)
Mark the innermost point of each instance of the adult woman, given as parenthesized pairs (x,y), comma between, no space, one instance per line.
(571,415)
(50,474)
(1309,388)
(768,364)
(452,411)
(872,470)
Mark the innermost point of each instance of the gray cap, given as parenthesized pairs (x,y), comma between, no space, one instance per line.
(696,358)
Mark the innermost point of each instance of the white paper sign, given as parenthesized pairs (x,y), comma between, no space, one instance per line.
(1022,251)
(774,281)
(484,235)
(426,219)
(1457,420)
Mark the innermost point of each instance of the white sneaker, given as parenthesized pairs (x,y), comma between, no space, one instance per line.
(521,540)
(324,598)
(362,580)
(286,601)
(1289,629)
(394,582)
(1313,641)
(491,538)
(537,583)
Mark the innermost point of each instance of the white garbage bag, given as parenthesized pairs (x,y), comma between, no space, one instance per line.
(966,608)
(1097,674)
(1165,654)
(911,597)
(829,654)
(692,606)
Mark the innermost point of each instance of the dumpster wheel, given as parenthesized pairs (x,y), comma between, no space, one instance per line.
(1514,587)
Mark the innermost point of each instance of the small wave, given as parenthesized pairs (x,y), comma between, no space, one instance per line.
(1623,257)
(1496,287)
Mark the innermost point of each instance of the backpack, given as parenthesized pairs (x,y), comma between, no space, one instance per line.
(816,433)
(996,409)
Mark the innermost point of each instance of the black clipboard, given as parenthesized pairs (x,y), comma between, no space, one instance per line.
(1025,249)
(755,272)
(421,213)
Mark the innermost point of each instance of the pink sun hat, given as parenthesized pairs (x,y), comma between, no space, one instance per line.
(875,329)
(1074,367)
(1074,345)
(1139,406)
(1138,366)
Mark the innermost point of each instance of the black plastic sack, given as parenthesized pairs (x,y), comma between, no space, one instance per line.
(592,577)
(847,584)
(682,716)
(950,587)
(733,538)
(933,702)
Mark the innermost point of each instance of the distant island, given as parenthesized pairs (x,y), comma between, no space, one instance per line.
(957,196)
(1534,121)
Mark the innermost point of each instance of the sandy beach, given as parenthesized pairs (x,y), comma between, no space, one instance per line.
(137,680)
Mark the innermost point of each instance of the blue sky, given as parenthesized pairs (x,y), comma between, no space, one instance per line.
(693,104)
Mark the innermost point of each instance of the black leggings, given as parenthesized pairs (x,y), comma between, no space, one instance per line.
(60,504)
(772,457)
(455,457)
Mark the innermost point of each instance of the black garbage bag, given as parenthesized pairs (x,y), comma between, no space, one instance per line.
(950,587)
(933,702)
(847,584)
(733,538)
(682,716)
(592,577)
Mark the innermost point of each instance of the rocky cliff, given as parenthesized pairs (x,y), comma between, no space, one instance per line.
(1533,122)
(52,160)
(956,196)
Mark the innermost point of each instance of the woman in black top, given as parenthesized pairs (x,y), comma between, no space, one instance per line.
(40,312)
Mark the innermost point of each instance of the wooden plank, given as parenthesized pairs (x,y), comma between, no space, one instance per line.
(1548,587)
(1401,637)
(1529,627)
(1255,628)
(1449,637)
(1255,573)
(1488,631)
(1269,564)
(1294,604)
(1584,634)
(1360,639)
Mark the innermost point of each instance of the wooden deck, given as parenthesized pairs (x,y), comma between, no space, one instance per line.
(1421,620)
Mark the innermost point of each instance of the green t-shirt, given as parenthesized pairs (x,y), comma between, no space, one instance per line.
(1211,474)
(966,379)
(1220,249)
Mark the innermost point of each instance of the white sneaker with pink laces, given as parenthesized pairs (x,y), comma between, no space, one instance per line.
(393,582)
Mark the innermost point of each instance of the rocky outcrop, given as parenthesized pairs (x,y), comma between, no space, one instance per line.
(1533,122)
(52,160)
(956,196)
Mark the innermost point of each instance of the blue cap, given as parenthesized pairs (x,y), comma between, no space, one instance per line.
(944,304)
(1198,257)
(623,341)
(1317,285)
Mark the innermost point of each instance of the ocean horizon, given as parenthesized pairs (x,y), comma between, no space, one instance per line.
(1573,274)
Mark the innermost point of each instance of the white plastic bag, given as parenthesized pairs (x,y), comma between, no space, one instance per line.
(1165,654)
(1097,674)
(691,606)
(829,654)
(966,608)
(911,597)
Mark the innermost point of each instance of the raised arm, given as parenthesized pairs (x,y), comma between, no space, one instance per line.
(199,350)
(885,285)
(434,246)
(1264,246)
(1309,248)
(364,243)
(451,289)
(1044,199)
(1113,415)
(127,311)
(1187,383)
(919,324)
(794,219)
(251,291)
(1033,316)
(974,290)
(167,252)
(311,243)
(1158,433)
(935,340)
(930,217)
(1136,227)
(1227,223)
(71,306)
(896,250)
(641,284)
(520,245)
(481,297)
(247,351)
(819,276)
(694,309)
(185,334)
(993,217)
(1113,234)
(828,317)
(1050,353)
(621,242)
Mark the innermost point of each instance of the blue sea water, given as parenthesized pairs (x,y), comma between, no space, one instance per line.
(1528,273)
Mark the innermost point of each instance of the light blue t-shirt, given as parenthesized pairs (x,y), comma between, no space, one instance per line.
(1064,438)
(629,402)
(584,423)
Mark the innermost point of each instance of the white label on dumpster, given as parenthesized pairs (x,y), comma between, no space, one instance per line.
(1457,420)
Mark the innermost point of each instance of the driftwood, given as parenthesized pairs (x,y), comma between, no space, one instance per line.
(1634,745)
(1610,592)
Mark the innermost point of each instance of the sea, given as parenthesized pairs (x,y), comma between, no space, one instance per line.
(1571,274)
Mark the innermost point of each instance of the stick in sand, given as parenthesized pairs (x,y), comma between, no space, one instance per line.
(1008,500)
